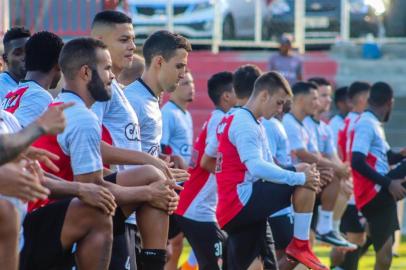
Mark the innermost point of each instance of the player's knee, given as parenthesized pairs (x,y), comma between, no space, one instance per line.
(177,243)
(357,238)
(153,174)
(8,218)
(91,217)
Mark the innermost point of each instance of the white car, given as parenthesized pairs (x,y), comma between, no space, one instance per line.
(195,18)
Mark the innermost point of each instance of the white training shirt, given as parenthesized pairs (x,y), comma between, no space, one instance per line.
(146,106)
(177,131)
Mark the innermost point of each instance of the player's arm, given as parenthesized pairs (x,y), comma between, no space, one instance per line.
(246,139)
(121,156)
(51,122)
(208,160)
(395,157)
(208,163)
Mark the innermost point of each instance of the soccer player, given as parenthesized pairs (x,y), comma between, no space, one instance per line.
(341,102)
(358,94)
(177,125)
(177,139)
(251,187)
(376,186)
(54,228)
(195,215)
(14,52)
(326,146)
(165,56)
(121,127)
(304,148)
(31,98)
(87,69)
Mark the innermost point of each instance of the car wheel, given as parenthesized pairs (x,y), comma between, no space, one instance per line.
(228,28)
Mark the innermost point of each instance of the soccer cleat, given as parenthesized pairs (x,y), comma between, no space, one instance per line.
(335,239)
(301,251)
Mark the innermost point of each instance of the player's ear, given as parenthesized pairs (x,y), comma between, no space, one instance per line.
(85,73)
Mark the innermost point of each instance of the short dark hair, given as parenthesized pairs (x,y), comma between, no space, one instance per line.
(42,51)
(357,88)
(303,88)
(164,43)
(218,84)
(110,17)
(16,33)
(319,81)
(272,82)
(380,94)
(77,53)
(340,94)
(244,79)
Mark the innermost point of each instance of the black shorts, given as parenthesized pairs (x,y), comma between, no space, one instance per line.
(247,230)
(119,217)
(206,240)
(42,238)
(382,217)
(124,251)
(381,211)
(282,230)
(352,221)
(174,229)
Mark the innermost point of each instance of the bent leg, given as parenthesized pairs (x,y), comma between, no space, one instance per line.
(92,231)
(9,229)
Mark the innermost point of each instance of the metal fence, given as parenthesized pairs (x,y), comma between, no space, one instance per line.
(217,23)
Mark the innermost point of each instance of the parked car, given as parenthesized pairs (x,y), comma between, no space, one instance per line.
(322,18)
(195,18)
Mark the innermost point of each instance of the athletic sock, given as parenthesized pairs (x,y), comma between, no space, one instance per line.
(153,259)
(301,225)
(336,225)
(325,221)
(351,260)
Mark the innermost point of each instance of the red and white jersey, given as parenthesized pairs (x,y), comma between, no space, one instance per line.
(344,133)
(369,139)
(241,138)
(198,199)
(27,102)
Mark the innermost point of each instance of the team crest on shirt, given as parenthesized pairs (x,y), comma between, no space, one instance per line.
(185,150)
(132,132)
(12,100)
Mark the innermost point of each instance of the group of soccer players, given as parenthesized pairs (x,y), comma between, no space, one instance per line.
(101,177)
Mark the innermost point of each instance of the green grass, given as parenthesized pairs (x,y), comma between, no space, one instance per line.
(366,263)
(368,260)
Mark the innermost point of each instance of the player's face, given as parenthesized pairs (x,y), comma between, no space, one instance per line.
(311,102)
(173,70)
(186,89)
(16,62)
(100,83)
(273,104)
(120,43)
(324,98)
(389,110)
(56,78)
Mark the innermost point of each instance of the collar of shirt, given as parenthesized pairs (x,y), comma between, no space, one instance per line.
(148,88)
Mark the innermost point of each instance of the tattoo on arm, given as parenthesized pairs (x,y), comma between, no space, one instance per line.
(11,145)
